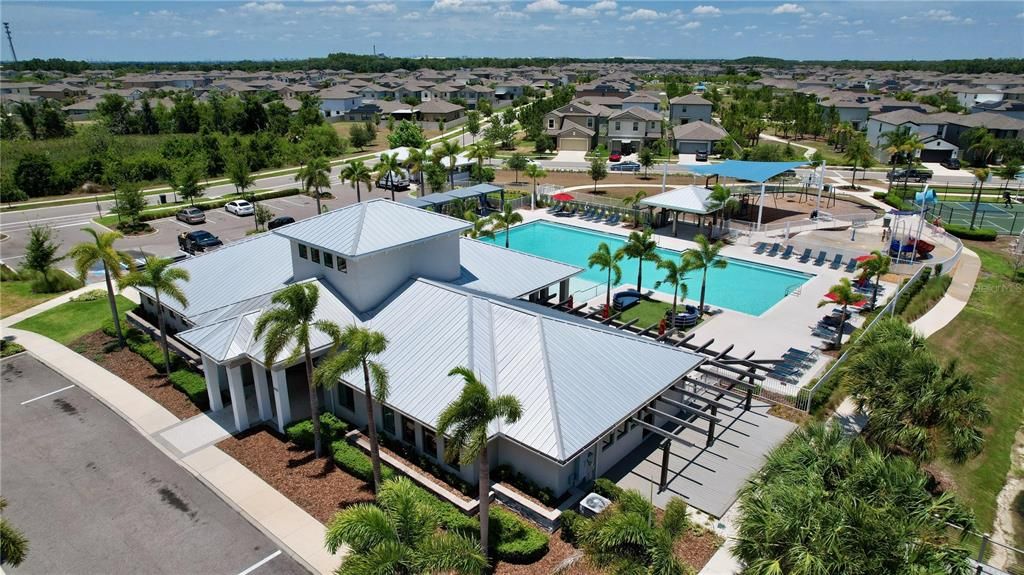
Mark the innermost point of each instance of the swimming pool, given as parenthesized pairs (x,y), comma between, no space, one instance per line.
(741,286)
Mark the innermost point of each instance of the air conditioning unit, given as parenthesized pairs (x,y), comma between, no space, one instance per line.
(593,504)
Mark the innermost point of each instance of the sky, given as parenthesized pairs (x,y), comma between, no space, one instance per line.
(273,29)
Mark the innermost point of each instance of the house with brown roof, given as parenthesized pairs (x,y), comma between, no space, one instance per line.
(439,111)
(696,136)
(575,126)
(631,129)
(689,108)
(58,91)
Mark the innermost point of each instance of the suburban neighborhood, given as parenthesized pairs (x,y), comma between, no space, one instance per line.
(540,300)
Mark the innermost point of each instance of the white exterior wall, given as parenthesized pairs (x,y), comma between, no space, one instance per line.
(542,470)
(331,108)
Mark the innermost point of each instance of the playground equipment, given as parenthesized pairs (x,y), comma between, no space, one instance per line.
(925,197)
(906,244)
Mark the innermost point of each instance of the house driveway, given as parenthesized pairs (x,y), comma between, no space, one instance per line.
(569,156)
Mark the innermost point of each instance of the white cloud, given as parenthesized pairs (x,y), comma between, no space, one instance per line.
(642,14)
(788,8)
(546,6)
(631,28)
(691,25)
(738,34)
(177,34)
(290,22)
(221,11)
(411,16)
(162,14)
(968,21)
(865,32)
(457,6)
(1020,16)
(751,27)
(582,12)
(509,14)
(706,10)
(211,33)
(544,28)
(376,34)
(604,5)
(941,16)
(264,7)
(381,8)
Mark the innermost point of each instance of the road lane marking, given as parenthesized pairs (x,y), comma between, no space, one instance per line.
(86,222)
(261,563)
(48,394)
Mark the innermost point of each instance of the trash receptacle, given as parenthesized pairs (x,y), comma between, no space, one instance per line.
(163,198)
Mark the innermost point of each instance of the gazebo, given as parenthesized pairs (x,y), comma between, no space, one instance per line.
(434,200)
(684,200)
(749,172)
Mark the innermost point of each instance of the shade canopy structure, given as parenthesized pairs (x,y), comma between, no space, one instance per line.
(689,199)
(749,172)
(476,191)
(563,197)
(415,202)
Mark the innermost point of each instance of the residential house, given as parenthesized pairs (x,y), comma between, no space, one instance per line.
(696,136)
(19,88)
(439,111)
(931,127)
(337,101)
(633,128)
(641,100)
(576,126)
(689,108)
(58,91)
(852,111)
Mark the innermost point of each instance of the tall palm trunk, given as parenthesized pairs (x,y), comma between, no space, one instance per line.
(675,300)
(874,292)
(977,200)
(485,501)
(703,288)
(640,274)
(507,233)
(371,428)
(839,330)
(314,404)
(608,293)
(316,190)
(359,197)
(113,305)
(163,333)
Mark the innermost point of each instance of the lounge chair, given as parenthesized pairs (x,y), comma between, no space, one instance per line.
(614,220)
(555,208)
(806,256)
(837,262)
(820,260)
(761,247)
(788,253)
(851,266)
(588,213)
(775,250)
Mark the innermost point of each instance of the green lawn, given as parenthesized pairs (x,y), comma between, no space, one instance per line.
(16,296)
(649,312)
(986,338)
(70,321)
(832,158)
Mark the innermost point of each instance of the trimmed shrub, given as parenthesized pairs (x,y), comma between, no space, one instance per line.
(966,233)
(55,281)
(508,474)
(356,463)
(607,488)
(514,540)
(675,520)
(573,525)
(154,354)
(8,274)
(428,464)
(191,384)
(301,432)
(450,517)
(93,295)
(911,291)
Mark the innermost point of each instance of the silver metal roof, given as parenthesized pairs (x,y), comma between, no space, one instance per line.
(507,273)
(369,227)
(690,199)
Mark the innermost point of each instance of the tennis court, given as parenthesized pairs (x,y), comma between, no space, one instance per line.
(1003,219)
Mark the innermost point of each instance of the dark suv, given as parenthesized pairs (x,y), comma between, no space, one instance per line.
(280,221)
(950,164)
(913,175)
(198,241)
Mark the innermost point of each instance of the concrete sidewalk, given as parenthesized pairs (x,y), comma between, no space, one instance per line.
(956,297)
(284,522)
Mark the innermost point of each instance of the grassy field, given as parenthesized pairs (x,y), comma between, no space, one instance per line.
(832,158)
(70,321)
(649,312)
(986,338)
(17,296)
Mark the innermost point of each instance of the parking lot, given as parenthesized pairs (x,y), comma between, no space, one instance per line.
(94,496)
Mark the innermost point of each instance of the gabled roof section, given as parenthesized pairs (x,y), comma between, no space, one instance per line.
(699,131)
(369,227)
(570,128)
(638,113)
(507,273)
(690,100)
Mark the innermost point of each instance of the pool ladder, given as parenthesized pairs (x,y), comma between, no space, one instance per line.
(795,289)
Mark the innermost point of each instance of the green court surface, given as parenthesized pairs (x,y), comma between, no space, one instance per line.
(998,216)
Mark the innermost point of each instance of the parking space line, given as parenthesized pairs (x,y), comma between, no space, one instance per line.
(260,563)
(180,224)
(48,394)
(291,202)
(85,222)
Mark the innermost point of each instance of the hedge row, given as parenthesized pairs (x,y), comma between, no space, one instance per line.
(193,385)
(608,489)
(427,464)
(148,216)
(966,233)
(188,382)
(356,463)
(301,432)
(911,291)
(515,540)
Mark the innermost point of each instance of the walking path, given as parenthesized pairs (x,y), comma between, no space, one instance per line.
(191,444)
(955,300)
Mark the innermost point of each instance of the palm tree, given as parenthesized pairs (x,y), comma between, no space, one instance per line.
(902,142)
(481,152)
(356,173)
(1008,172)
(315,176)
(534,172)
(858,154)
(982,144)
(721,200)
(874,267)
(159,276)
(608,261)
(479,229)
(450,150)
(416,163)
(843,294)
(358,347)
(704,257)
(980,176)
(675,276)
(641,247)
(400,535)
(101,250)
(466,421)
(387,167)
(13,543)
(506,219)
(290,322)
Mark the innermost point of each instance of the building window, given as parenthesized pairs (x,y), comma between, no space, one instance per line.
(590,122)
(408,431)
(342,265)
(429,442)
(609,440)
(388,415)
(314,255)
(551,123)
(617,126)
(328,260)
(682,109)
(348,398)
(302,251)
(636,126)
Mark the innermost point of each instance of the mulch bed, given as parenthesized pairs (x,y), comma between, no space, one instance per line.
(437,480)
(315,485)
(696,548)
(558,552)
(137,371)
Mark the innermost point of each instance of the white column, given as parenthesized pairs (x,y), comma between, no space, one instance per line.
(259,375)
(237,398)
(760,207)
(284,409)
(212,373)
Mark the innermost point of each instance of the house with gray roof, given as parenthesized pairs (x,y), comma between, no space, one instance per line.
(689,108)
(442,301)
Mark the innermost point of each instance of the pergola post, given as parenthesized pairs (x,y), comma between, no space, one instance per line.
(760,207)
(666,452)
(563,290)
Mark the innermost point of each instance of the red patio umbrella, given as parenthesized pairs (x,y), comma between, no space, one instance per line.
(832,296)
(563,197)
(859,259)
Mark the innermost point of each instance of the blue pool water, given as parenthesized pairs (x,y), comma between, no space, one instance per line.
(741,286)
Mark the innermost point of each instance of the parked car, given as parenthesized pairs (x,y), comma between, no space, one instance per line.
(239,208)
(913,175)
(280,221)
(398,185)
(191,215)
(614,157)
(625,167)
(950,164)
(198,241)
(701,156)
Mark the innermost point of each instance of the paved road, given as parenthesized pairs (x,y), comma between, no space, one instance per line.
(93,496)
